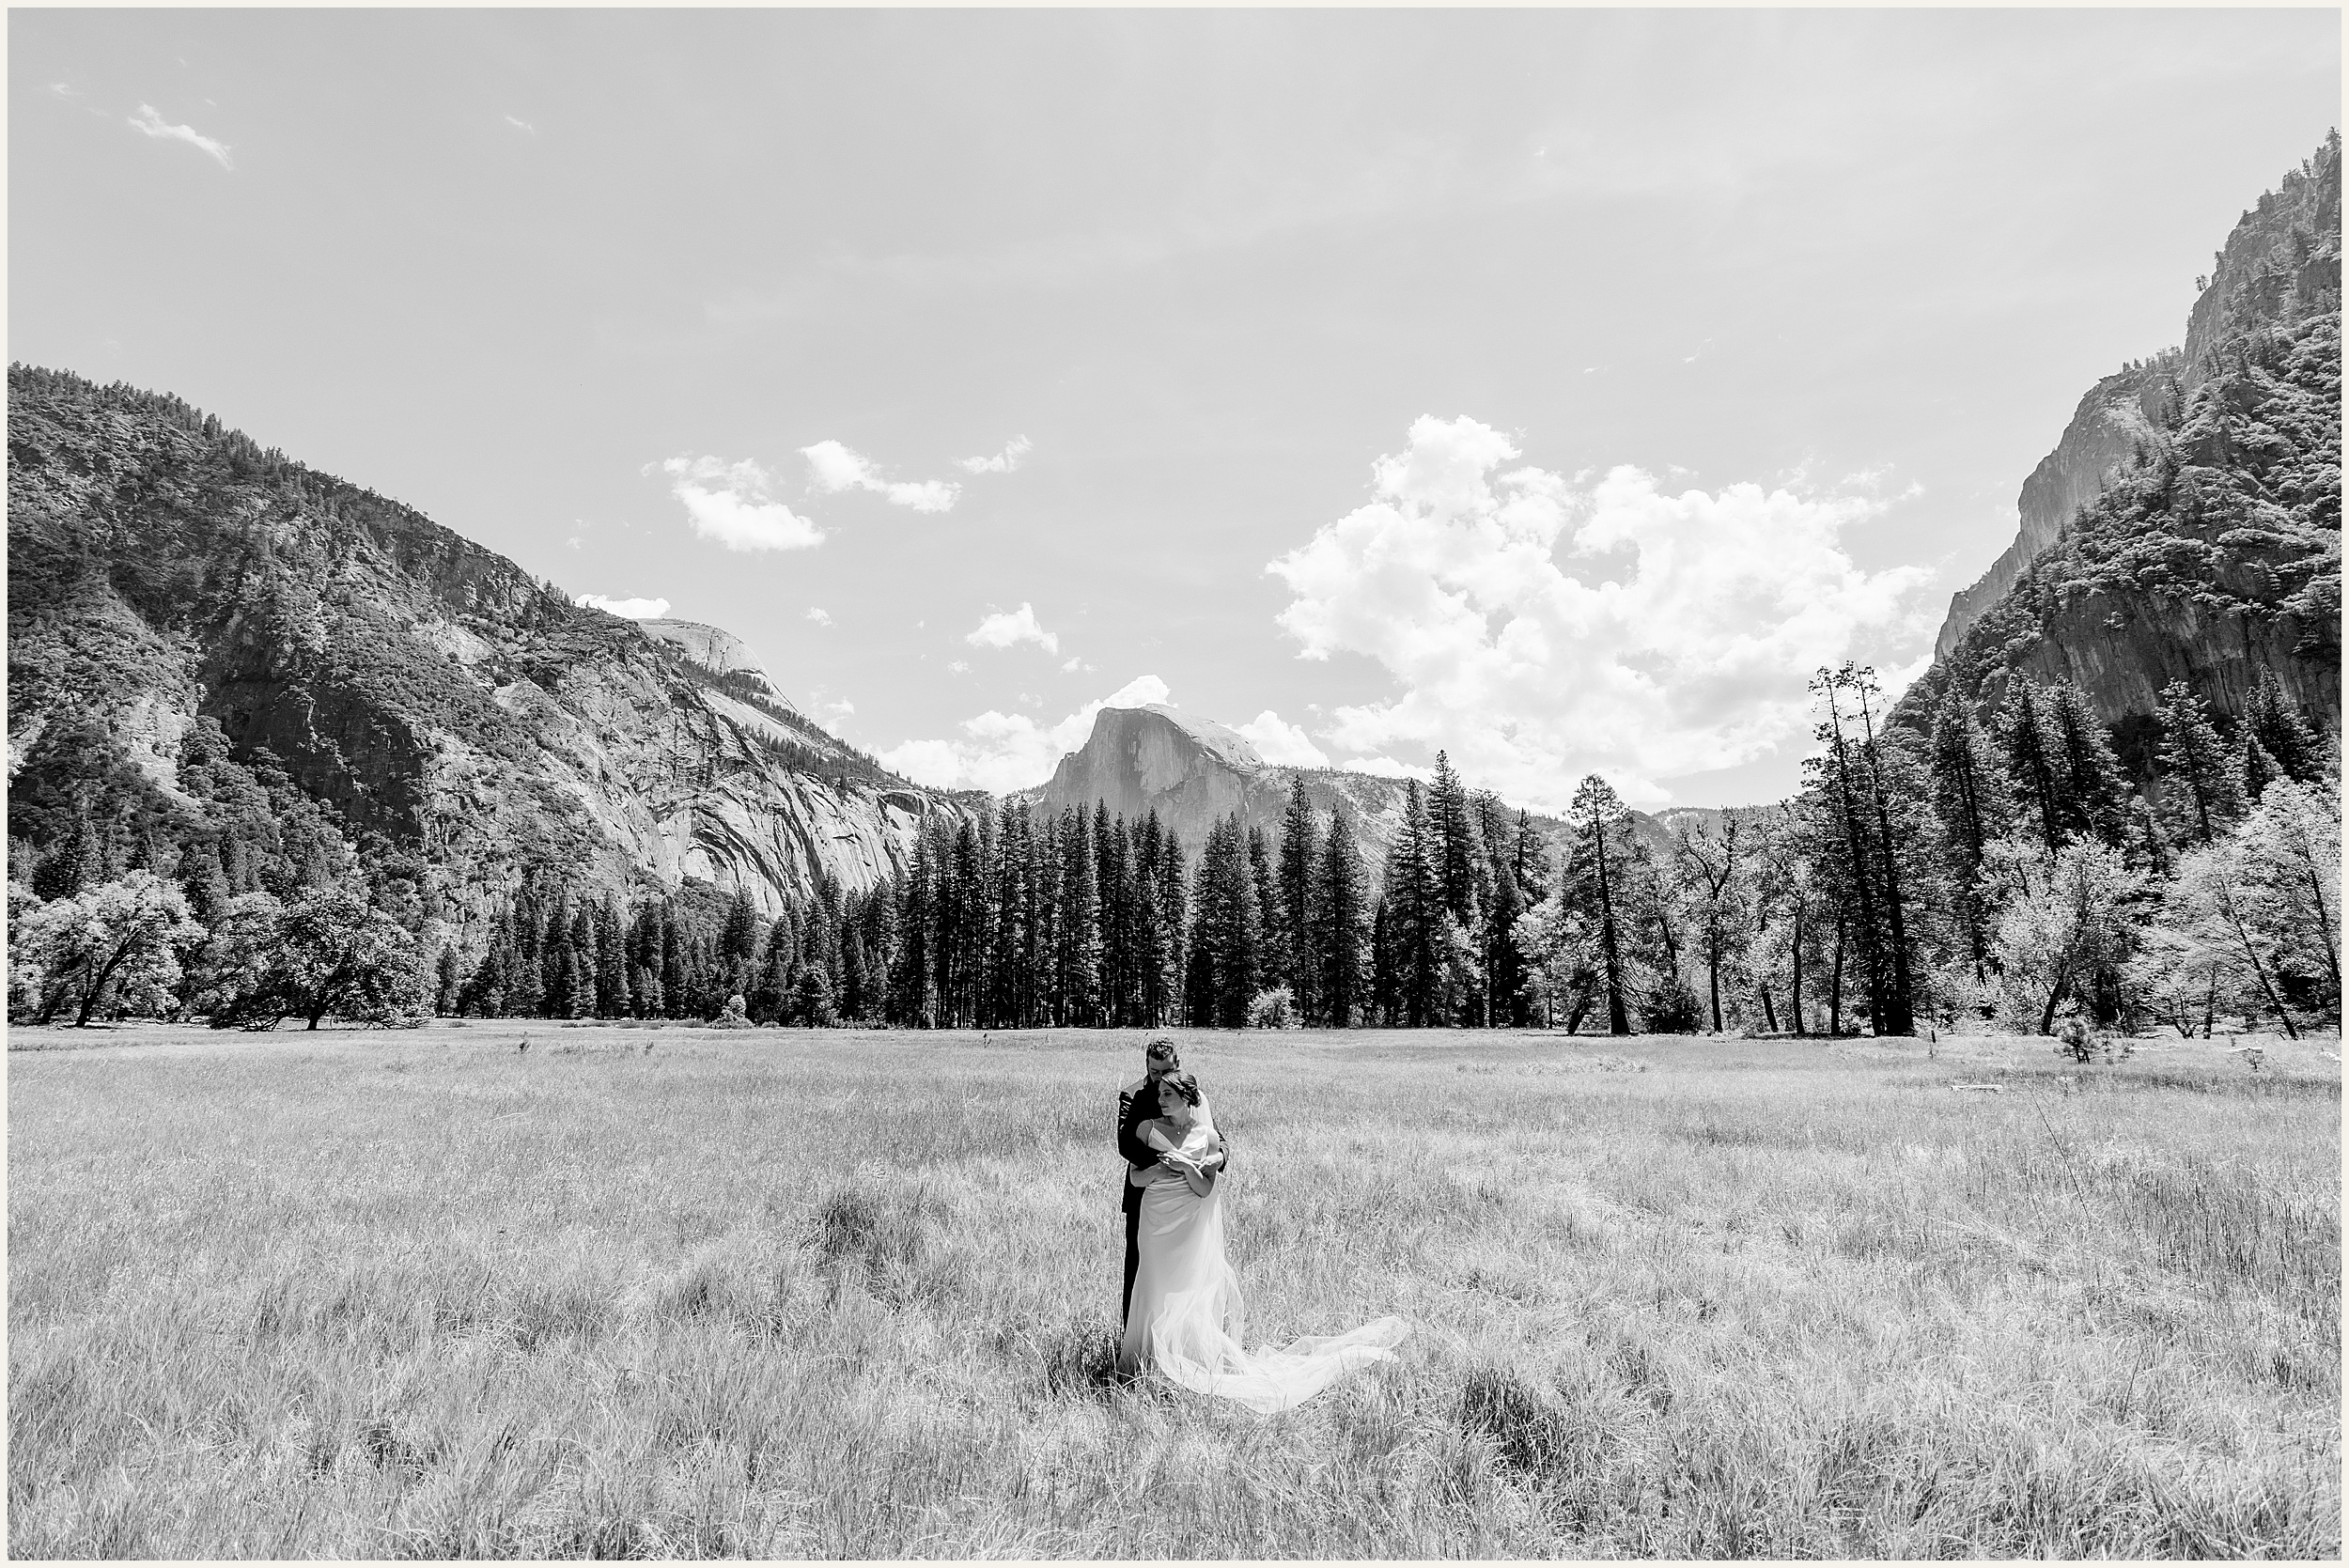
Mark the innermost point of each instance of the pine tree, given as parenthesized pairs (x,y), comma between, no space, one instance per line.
(611,963)
(1386,988)
(1846,791)
(966,955)
(1504,1001)
(2201,785)
(911,1002)
(1596,813)
(854,1002)
(1113,885)
(1078,961)
(484,994)
(1299,859)
(1173,917)
(1971,802)
(447,983)
(1414,902)
(1265,895)
(580,1002)
(1341,997)
(2093,790)
(1012,907)
(204,881)
(2276,723)
(674,986)
(738,941)
(1150,987)
(2025,735)
(769,998)
(1900,1016)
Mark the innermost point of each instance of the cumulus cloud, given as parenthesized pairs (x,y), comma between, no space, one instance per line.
(1007,629)
(835,467)
(153,124)
(1076,663)
(958,667)
(627,608)
(1542,628)
(821,618)
(1001,752)
(732,505)
(1282,745)
(1014,452)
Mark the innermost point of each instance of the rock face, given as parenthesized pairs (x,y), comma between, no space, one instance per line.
(723,655)
(2111,424)
(173,586)
(1195,772)
(2211,553)
(2284,254)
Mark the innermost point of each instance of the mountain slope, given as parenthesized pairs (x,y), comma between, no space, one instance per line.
(208,642)
(2281,260)
(2112,423)
(2214,551)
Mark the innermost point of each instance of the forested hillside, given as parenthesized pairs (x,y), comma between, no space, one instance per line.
(245,677)
(2213,557)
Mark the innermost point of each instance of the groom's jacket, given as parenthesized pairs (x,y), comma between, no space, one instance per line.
(1135,1107)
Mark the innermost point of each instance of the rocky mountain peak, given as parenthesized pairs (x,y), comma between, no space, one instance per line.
(722,654)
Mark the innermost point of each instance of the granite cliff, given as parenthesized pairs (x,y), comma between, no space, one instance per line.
(210,643)
(1193,771)
(2280,262)
(2210,549)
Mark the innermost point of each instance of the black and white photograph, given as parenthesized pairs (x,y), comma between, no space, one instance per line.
(1228,784)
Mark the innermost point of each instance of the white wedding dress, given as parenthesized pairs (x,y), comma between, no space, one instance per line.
(1188,1315)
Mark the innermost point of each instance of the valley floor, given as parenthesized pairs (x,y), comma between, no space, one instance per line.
(682,1292)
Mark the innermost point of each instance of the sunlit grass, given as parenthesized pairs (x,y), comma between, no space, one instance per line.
(837,1294)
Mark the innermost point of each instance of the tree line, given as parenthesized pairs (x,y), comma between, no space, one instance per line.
(1997,864)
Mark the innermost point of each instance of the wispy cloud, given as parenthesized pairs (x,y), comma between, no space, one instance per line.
(1004,461)
(522,125)
(153,124)
(731,504)
(627,608)
(1009,628)
(835,469)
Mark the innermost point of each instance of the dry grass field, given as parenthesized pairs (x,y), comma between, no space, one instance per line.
(684,1293)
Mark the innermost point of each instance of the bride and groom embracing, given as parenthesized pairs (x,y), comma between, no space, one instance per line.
(1184,1314)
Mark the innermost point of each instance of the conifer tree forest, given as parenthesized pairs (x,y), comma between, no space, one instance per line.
(1992,867)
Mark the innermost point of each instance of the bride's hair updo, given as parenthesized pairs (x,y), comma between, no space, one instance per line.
(1183,1085)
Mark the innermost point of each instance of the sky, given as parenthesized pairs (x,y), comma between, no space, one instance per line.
(1558,389)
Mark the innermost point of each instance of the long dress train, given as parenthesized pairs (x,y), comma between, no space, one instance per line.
(1188,1314)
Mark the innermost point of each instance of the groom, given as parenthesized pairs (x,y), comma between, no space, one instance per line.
(1138,1103)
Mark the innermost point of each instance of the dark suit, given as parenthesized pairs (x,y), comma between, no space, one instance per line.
(1135,1107)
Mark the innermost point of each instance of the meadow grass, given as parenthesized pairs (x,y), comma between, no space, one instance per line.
(676,1292)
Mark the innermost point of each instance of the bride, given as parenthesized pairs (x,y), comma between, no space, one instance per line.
(1188,1315)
